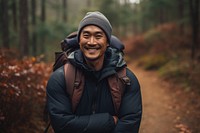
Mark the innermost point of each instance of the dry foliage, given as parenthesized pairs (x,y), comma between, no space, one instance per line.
(22,100)
(168,49)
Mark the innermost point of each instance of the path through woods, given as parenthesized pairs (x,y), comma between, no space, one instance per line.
(166,109)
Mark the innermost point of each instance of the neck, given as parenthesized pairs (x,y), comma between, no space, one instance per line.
(96,64)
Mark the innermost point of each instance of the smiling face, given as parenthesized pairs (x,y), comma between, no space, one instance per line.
(93,43)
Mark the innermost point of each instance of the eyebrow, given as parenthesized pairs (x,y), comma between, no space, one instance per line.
(95,32)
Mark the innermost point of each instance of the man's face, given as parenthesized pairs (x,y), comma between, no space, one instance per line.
(93,42)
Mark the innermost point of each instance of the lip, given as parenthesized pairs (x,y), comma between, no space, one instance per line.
(92,48)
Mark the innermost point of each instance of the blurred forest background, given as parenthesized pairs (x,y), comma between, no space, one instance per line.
(160,35)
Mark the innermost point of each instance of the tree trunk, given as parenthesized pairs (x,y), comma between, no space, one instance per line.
(1,15)
(43,18)
(23,23)
(5,22)
(89,3)
(194,11)
(181,15)
(43,13)
(34,35)
(14,13)
(161,15)
(65,10)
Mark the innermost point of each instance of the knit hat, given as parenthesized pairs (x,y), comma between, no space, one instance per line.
(98,19)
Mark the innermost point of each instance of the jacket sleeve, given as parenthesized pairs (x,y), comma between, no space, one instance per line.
(131,108)
(61,116)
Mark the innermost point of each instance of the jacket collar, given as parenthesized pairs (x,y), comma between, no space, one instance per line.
(113,61)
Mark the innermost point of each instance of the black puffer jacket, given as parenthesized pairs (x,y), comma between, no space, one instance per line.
(95,110)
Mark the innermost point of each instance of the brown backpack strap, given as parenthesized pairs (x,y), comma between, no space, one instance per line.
(75,80)
(117,85)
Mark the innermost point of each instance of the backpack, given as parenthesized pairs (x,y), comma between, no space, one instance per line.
(75,78)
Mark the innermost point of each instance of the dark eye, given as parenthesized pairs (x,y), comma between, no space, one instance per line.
(86,35)
(98,36)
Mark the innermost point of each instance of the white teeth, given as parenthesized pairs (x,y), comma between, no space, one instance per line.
(92,48)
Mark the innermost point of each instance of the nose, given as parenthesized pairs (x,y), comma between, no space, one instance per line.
(91,40)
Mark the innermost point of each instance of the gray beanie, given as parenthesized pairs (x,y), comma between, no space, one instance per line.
(98,19)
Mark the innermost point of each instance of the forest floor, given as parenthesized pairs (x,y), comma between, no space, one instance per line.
(167,108)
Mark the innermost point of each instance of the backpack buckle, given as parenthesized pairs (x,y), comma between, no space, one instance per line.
(76,84)
(126,80)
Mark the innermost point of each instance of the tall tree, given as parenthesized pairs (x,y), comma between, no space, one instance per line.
(111,12)
(23,24)
(14,13)
(135,23)
(181,15)
(5,22)
(89,3)
(65,10)
(1,15)
(43,18)
(34,35)
(194,11)
(43,11)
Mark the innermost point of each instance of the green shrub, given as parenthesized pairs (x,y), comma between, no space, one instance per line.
(174,69)
(178,72)
(152,36)
(153,62)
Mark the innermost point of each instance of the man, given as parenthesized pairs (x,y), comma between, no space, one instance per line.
(95,112)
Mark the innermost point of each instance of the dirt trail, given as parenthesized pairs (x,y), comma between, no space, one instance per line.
(162,112)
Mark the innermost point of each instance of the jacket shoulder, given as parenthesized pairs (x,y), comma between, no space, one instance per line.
(56,78)
(133,78)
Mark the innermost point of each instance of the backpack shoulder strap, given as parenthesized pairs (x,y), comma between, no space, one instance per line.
(60,59)
(74,80)
(118,83)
